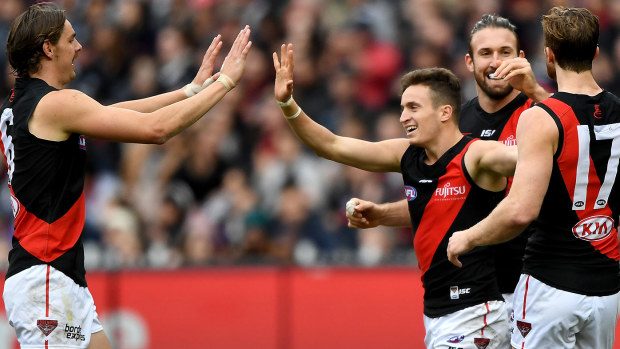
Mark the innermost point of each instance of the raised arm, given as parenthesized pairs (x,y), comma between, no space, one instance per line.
(63,112)
(201,81)
(381,156)
(367,214)
(537,139)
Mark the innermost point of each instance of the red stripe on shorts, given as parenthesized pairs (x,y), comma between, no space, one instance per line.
(47,295)
(527,282)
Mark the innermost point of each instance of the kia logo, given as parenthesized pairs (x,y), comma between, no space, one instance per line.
(594,228)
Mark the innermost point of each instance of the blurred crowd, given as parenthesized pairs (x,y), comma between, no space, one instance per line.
(238,188)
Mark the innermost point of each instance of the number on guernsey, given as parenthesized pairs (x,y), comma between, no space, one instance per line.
(7,140)
(601,132)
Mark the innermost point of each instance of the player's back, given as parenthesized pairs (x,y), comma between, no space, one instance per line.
(575,245)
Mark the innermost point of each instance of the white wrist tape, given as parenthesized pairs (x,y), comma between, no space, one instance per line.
(287,103)
(227,81)
(294,115)
(193,88)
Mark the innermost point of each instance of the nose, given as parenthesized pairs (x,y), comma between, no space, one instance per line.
(404,117)
(495,59)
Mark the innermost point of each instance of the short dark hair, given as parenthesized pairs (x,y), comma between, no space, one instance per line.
(24,47)
(445,87)
(572,34)
(492,21)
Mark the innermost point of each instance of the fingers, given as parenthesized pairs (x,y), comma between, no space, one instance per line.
(517,65)
(276,62)
(454,259)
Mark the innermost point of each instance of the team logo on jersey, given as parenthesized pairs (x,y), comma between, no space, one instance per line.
(82,142)
(524,327)
(448,192)
(594,228)
(12,95)
(510,141)
(482,343)
(456,292)
(410,193)
(597,112)
(47,326)
(14,205)
(456,339)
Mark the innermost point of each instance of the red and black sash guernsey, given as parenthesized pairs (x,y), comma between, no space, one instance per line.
(500,126)
(443,199)
(574,246)
(46,180)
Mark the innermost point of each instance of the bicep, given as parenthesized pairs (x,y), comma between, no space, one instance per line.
(384,156)
(75,112)
(537,137)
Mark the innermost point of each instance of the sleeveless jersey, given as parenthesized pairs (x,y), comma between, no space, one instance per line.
(46,181)
(500,126)
(574,246)
(442,199)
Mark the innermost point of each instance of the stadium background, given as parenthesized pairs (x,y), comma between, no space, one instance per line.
(233,234)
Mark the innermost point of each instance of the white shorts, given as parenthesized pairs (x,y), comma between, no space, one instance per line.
(545,317)
(481,326)
(49,310)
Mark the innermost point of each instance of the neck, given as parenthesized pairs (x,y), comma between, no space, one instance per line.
(441,144)
(491,105)
(577,83)
(47,74)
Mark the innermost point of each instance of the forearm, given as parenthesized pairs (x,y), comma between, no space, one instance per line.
(151,104)
(538,93)
(394,214)
(504,223)
(172,119)
(313,135)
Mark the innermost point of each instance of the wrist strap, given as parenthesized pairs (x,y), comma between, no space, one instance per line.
(227,81)
(294,115)
(287,103)
(193,88)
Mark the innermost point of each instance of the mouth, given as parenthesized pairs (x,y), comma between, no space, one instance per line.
(493,77)
(411,129)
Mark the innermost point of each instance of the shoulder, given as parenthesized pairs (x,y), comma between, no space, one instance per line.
(66,99)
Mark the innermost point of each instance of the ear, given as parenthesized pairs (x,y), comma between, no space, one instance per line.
(596,53)
(521,54)
(446,113)
(550,58)
(48,49)
(469,62)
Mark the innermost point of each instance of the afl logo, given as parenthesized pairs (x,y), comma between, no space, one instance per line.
(82,142)
(410,193)
(14,205)
(594,228)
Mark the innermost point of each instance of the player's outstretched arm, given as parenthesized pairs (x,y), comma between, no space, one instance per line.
(63,112)
(537,137)
(518,72)
(201,81)
(490,162)
(364,214)
(371,156)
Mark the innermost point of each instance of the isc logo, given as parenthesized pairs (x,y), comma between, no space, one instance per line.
(594,228)
(455,292)
(486,133)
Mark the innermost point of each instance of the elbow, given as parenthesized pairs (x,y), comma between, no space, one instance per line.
(158,135)
(522,216)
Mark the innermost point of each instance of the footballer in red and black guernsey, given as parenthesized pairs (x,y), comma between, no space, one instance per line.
(46,179)
(445,189)
(500,126)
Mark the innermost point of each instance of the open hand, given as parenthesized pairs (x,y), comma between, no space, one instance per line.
(234,63)
(283,89)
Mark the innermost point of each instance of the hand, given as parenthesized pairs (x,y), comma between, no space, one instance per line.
(283,89)
(458,244)
(208,61)
(365,215)
(234,63)
(518,72)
